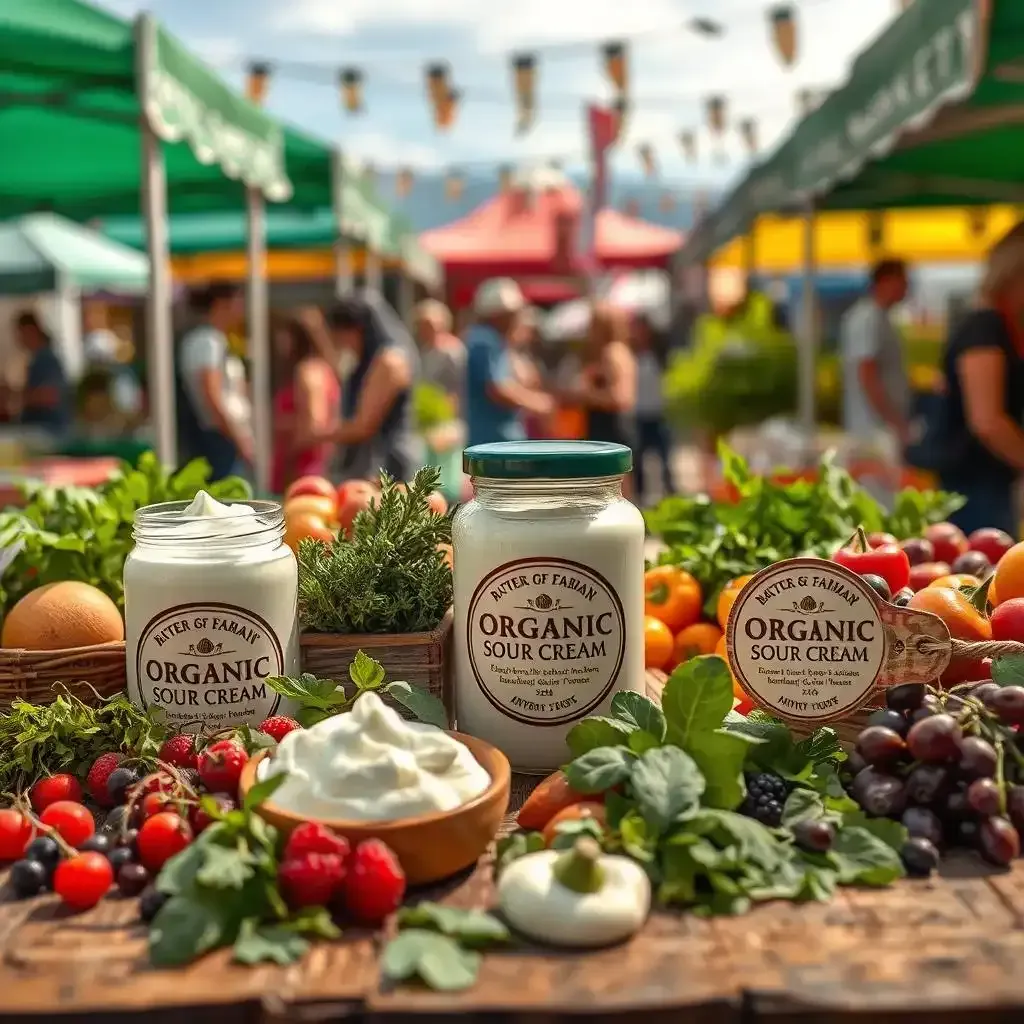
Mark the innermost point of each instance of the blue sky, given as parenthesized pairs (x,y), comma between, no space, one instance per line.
(672,72)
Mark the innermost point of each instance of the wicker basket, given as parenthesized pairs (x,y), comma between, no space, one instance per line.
(421,659)
(88,672)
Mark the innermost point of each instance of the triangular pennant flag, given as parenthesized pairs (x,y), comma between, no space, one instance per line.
(647,161)
(442,98)
(706,27)
(449,109)
(716,114)
(688,140)
(524,77)
(616,66)
(782,23)
(351,83)
(257,80)
(748,130)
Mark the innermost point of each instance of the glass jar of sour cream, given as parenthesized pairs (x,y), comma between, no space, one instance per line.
(210,593)
(549,594)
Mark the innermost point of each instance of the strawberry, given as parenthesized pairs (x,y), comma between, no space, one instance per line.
(180,751)
(220,766)
(311,880)
(278,726)
(312,837)
(101,770)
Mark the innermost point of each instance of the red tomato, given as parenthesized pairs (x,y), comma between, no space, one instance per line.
(574,812)
(317,485)
(876,540)
(1008,620)
(926,573)
(992,543)
(551,796)
(887,560)
(948,540)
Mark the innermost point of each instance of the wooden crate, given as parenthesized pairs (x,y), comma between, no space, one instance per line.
(421,659)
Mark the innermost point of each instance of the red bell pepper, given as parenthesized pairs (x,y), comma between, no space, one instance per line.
(887,560)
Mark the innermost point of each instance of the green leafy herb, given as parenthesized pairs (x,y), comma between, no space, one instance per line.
(1008,670)
(718,541)
(389,576)
(516,845)
(600,769)
(223,892)
(77,533)
(318,699)
(435,959)
(667,785)
(68,735)
(470,927)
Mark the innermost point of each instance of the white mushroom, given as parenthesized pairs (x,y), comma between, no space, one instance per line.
(578,897)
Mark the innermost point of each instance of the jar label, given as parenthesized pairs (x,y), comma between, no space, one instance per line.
(209,662)
(546,638)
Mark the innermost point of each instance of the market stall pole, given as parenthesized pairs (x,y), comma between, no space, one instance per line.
(159,349)
(808,350)
(342,255)
(258,317)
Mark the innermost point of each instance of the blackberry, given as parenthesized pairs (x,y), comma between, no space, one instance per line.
(766,796)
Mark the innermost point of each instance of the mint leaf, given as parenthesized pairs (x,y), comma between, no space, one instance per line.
(802,805)
(224,867)
(567,832)
(639,839)
(366,673)
(1008,670)
(892,833)
(597,732)
(754,842)
(861,858)
(435,959)
(696,698)
(424,706)
(640,741)
(313,921)
(276,944)
(634,709)
(516,845)
(470,927)
(180,872)
(598,770)
(186,927)
(309,691)
(262,791)
(720,756)
(667,786)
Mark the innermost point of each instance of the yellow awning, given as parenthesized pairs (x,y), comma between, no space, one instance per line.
(857,239)
(282,265)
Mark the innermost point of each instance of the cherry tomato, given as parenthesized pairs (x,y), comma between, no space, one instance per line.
(71,821)
(53,788)
(161,837)
(889,561)
(82,881)
(574,812)
(15,833)
(551,796)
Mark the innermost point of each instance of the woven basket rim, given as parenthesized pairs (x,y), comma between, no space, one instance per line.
(357,640)
(24,654)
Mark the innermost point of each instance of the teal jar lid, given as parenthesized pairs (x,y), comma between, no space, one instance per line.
(547,460)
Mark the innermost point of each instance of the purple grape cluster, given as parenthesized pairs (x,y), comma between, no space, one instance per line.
(947,765)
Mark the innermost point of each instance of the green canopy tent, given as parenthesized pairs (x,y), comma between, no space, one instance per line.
(46,253)
(931,115)
(95,110)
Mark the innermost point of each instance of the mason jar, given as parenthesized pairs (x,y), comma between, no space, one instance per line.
(210,611)
(549,594)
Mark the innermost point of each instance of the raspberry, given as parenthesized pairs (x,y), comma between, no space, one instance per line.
(220,766)
(312,837)
(180,751)
(279,726)
(311,880)
(96,781)
(375,883)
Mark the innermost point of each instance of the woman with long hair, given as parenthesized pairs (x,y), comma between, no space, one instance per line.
(307,397)
(980,445)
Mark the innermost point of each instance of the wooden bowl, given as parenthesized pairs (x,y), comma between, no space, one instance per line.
(430,846)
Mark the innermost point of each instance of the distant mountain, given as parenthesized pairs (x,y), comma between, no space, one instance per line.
(427,206)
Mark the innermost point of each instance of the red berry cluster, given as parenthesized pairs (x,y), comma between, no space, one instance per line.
(319,869)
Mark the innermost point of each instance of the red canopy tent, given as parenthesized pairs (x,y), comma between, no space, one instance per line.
(525,232)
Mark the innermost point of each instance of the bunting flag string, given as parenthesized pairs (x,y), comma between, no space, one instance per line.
(350,81)
(444,99)
(716,114)
(616,66)
(782,21)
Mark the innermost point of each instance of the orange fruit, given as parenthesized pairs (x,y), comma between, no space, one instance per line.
(658,643)
(700,638)
(59,615)
(305,524)
(956,581)
(672,595)
(313,504)
(727,598)
(992,599)
(1009,579)
(962,619)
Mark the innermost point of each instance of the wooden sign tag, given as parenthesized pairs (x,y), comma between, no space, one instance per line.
(810,641)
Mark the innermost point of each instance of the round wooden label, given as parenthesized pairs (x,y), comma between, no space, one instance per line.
(806,639)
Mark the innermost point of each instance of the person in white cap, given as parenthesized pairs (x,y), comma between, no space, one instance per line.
(495,401)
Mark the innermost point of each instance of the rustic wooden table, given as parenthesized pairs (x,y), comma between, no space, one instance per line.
(944,951)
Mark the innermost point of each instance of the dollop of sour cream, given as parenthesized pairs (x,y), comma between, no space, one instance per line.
(234,520)
(205,506)
(370,764)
